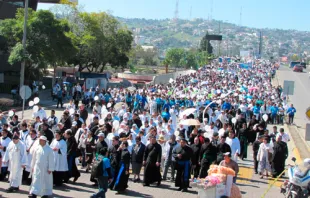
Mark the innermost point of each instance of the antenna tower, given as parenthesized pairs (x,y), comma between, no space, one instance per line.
(190,13)
(211,10)
(176,12)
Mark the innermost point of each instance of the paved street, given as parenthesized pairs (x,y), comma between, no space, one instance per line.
(300,99)
(301,96)
(249,183)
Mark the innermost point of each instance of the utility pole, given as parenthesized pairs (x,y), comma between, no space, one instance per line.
(260,44)
(22,69)
(219,42)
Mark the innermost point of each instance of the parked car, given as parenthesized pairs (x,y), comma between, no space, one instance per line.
(304,65)
(298,68)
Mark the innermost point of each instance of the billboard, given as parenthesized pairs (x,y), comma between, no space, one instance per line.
(214,37)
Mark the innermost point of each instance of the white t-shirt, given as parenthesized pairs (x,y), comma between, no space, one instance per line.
(285,137)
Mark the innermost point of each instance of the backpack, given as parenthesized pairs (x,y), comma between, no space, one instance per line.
(97,168)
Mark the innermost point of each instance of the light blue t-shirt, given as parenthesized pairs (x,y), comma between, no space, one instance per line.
(106,165)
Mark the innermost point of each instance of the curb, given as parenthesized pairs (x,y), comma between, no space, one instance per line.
(295,150)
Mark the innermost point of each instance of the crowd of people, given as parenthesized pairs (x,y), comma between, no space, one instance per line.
(207,117)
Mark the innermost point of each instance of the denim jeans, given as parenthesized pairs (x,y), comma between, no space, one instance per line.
(103,187)
(168,164)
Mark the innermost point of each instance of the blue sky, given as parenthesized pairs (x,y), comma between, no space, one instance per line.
(282,14)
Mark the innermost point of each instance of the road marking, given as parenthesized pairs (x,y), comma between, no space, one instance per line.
(245,175)
(297,155)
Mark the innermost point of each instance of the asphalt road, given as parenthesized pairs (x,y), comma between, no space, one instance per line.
(301,96)
(250,184)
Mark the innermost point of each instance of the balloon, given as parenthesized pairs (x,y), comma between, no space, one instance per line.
(36,100)
(109,105)
(43,86)
(101,122)
(234,120)
(31,103)
(265,117)
(96,98)
(71,111)
(35,109)
(11,113)
(115,124)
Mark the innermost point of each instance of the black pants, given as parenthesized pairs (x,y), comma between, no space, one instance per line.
(59,102)
(255,163)
(26,180)
(58,177)
(180,180)
(196,170)
(290,119)
(4,173)
(205,165)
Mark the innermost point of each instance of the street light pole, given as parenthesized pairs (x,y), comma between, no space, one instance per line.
(22,69)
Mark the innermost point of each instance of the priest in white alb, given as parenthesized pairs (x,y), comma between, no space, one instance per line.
(59,147)
(234,144)
(42,167)
(16,158)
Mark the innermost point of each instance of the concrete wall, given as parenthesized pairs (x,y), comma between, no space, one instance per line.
(136,77)
(164,78)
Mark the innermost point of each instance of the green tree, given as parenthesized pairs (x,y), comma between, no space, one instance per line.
(101,40)
(174,57)
(48,41)
(295,57)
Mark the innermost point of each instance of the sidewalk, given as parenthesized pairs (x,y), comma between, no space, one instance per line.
(302,147)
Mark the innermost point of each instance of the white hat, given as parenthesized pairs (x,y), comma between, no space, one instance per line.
(101,135)
(43,138)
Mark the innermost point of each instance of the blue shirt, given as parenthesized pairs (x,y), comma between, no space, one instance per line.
(106,165)
(291,111)
(256,109)
(226,106)
(274,110)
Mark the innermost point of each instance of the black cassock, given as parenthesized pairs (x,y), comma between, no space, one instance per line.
(183,165)
(115,157)
(152,155)
(280,153)
(122,177)
(207,156)
(196,152)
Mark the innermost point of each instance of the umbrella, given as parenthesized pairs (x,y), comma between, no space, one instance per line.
(118,106)
(204,83)
(253,88)
(131,88)
(66,83)
(187,112)
(260,102)
(190,122)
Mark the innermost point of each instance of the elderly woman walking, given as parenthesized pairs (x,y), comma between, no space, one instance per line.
(263,156)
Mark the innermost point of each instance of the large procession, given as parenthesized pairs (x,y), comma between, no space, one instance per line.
(185,131)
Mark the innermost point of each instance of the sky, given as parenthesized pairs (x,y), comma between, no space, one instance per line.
(282,14)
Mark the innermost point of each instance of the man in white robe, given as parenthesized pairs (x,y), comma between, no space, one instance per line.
(4,143)
(29,142)
(42,167)
(234,144)
(16,158)
(59,147)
